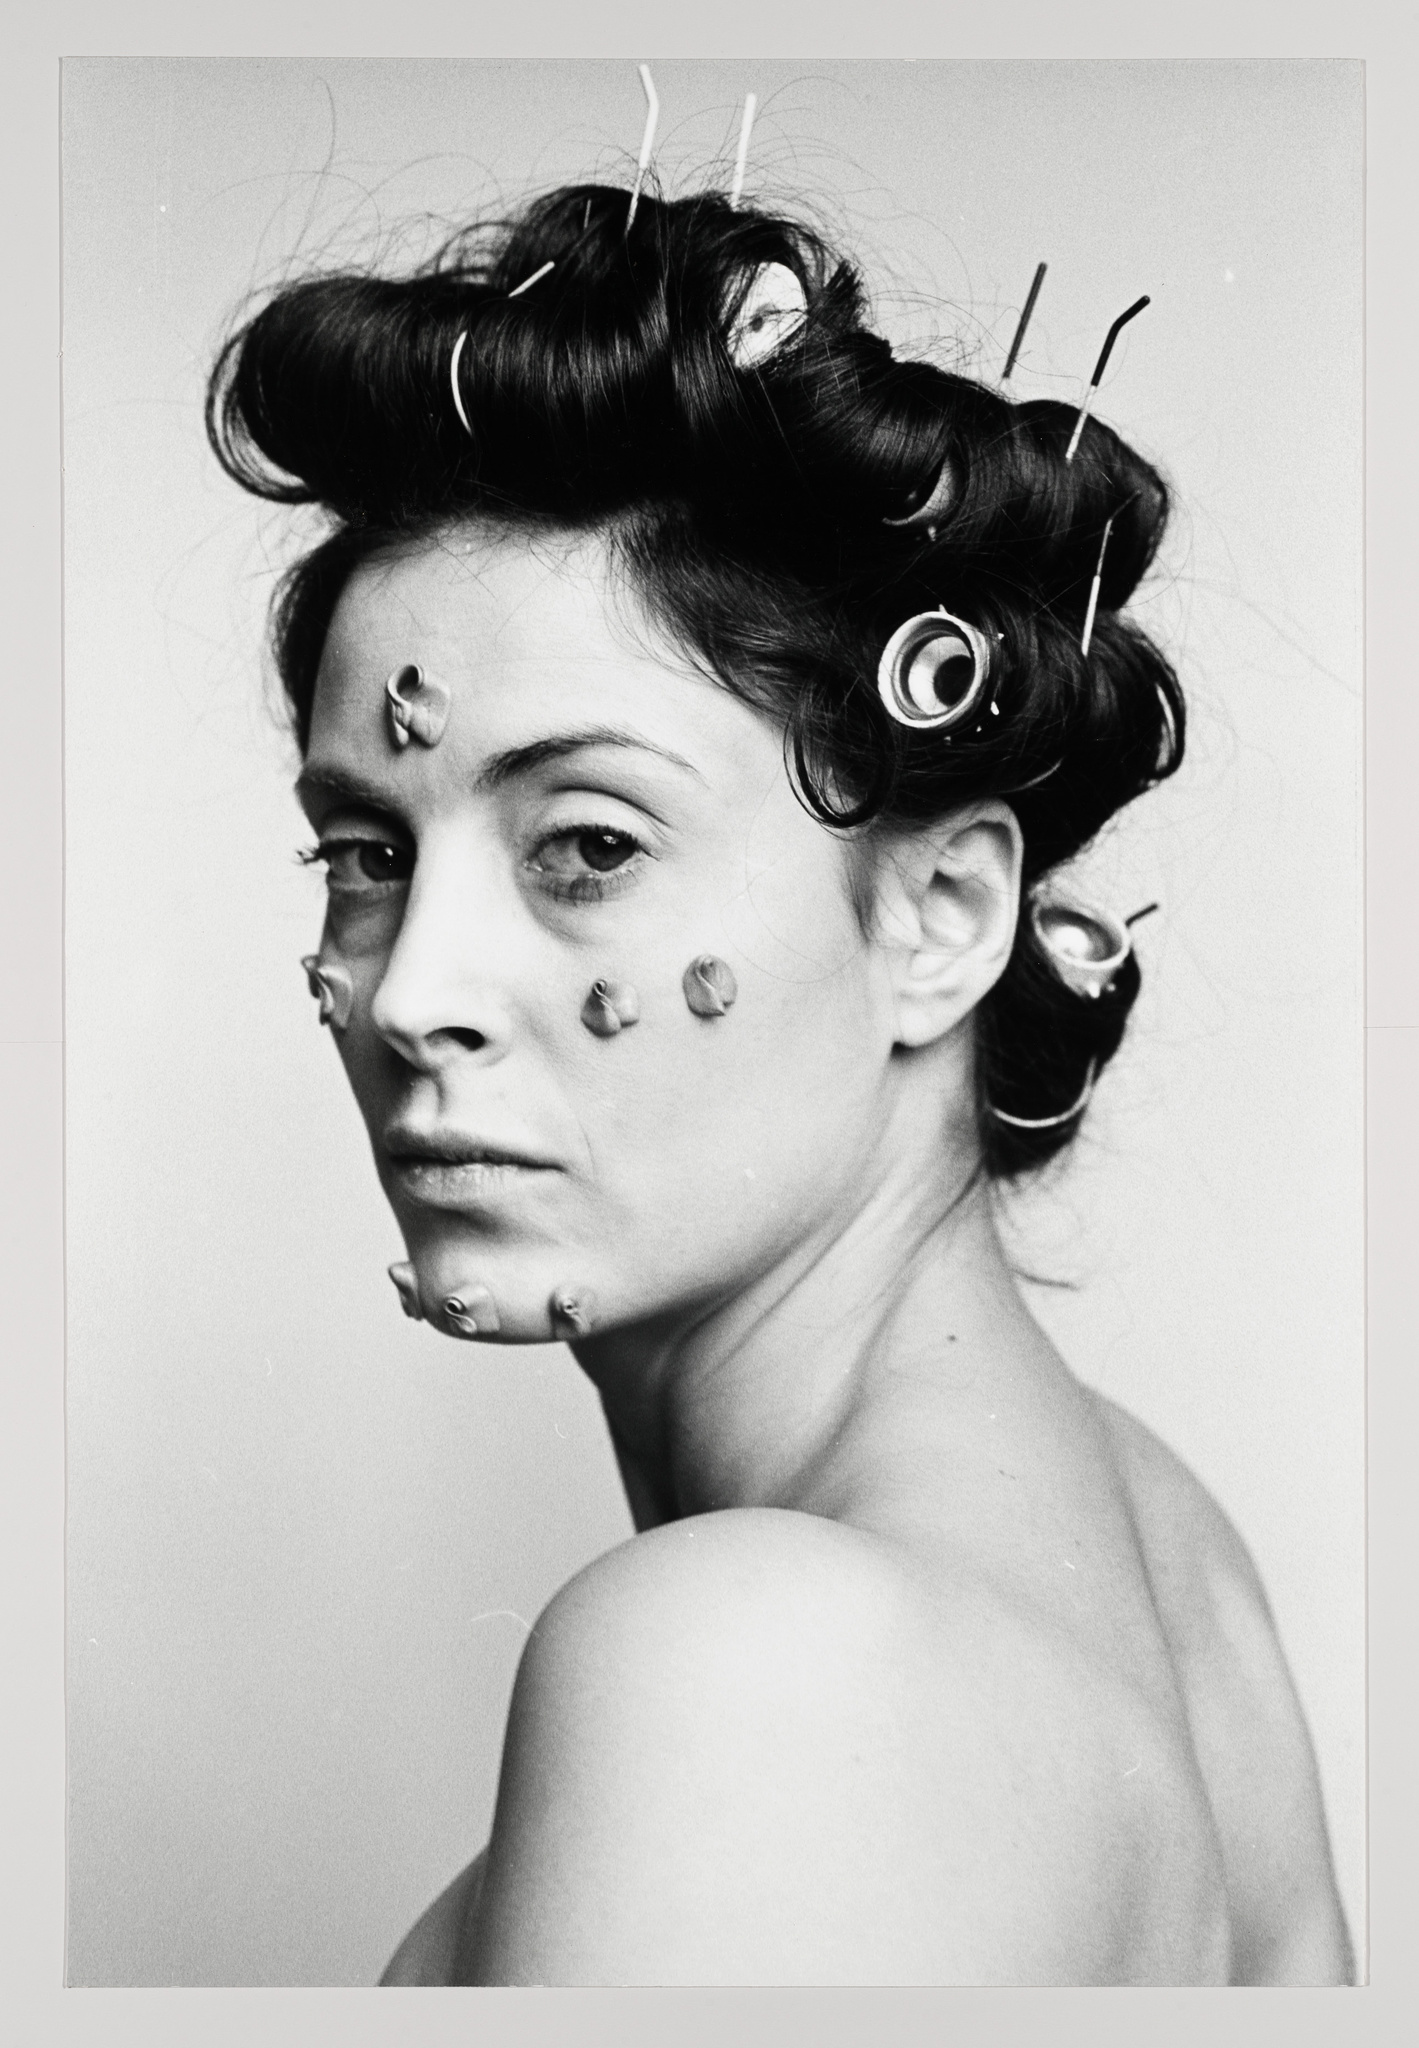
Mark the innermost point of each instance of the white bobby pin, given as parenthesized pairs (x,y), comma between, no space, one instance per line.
(453,379)
(652,115)
(1094,588)
(1048,1123)
(736,190)
(528,282)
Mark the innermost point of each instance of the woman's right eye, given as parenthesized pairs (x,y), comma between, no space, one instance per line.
(362,864)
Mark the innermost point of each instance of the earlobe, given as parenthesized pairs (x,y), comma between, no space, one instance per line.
(957,901)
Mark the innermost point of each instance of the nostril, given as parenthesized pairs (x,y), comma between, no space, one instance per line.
(453,1034)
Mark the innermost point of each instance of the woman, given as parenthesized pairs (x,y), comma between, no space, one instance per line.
(695,704)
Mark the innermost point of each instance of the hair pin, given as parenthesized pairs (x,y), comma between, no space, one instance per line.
(652,115)
(454,361)
(1048,1123)
(1031,296)
(736,190)
(1104,353)
(1034,781)
(528,282)
(1088,632)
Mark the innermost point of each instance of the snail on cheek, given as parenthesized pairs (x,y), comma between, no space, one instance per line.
(459,1287)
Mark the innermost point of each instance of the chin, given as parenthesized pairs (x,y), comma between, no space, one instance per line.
(478,1288)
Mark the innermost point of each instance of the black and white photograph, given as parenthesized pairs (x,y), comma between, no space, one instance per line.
(713,949)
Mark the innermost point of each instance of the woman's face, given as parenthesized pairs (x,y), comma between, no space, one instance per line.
(593,810)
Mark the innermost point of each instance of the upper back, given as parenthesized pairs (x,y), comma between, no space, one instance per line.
(760,1746)
(768,1745)
(1243,1718)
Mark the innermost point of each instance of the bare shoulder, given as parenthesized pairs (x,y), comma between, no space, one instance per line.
(760,1747)
(1247,1724)
(1191,1540)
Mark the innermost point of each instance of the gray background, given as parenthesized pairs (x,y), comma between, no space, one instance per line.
(305,1539)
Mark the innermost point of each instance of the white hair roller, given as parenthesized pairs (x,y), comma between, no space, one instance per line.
(773,309)
(1087,947)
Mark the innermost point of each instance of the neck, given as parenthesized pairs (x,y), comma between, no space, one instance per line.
(782,1395)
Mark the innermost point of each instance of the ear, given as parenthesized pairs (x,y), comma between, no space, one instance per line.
(947,897)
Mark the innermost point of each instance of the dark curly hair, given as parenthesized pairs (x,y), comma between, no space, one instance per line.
(751,509)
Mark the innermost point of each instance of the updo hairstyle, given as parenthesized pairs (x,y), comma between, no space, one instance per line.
(751,509)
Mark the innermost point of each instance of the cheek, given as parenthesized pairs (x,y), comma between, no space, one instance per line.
(360,936)
(727,1136)
(361,930)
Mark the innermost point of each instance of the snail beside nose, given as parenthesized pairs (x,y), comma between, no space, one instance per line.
(708,985)
(333,986)
(610,1007)
(710,990)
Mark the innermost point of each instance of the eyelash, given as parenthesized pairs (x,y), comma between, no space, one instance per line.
(327,849)
(592,887)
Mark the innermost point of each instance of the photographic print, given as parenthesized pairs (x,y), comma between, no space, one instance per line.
(713,1004)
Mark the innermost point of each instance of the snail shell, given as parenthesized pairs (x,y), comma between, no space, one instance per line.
(407,1287)
(334,988)
(418,708)
(709,985)
(472,1311)
(572,1312)
(610,1007)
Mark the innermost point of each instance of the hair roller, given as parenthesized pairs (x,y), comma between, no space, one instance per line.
(934,671)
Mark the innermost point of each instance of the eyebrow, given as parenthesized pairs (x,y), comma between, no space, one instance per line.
(501,769)
(556,746)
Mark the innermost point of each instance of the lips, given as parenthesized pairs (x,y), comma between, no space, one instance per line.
(443,1169)
(403,1143)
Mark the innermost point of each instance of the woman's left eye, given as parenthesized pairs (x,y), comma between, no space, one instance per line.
(587,862)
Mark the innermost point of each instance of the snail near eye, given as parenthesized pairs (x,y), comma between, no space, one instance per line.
(934,670)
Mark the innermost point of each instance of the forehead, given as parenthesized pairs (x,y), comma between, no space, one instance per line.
(529,634)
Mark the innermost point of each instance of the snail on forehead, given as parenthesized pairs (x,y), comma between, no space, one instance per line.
(418,708)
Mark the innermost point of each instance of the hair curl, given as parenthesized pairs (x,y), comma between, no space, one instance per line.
(750,508)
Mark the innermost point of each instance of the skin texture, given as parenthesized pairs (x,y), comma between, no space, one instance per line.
(927,1666)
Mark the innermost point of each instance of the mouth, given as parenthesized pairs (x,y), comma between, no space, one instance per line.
(453,1170)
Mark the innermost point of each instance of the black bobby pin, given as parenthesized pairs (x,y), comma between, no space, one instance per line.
(1033,294)
(1104,353)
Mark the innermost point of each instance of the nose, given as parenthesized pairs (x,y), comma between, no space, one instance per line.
(444,996)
